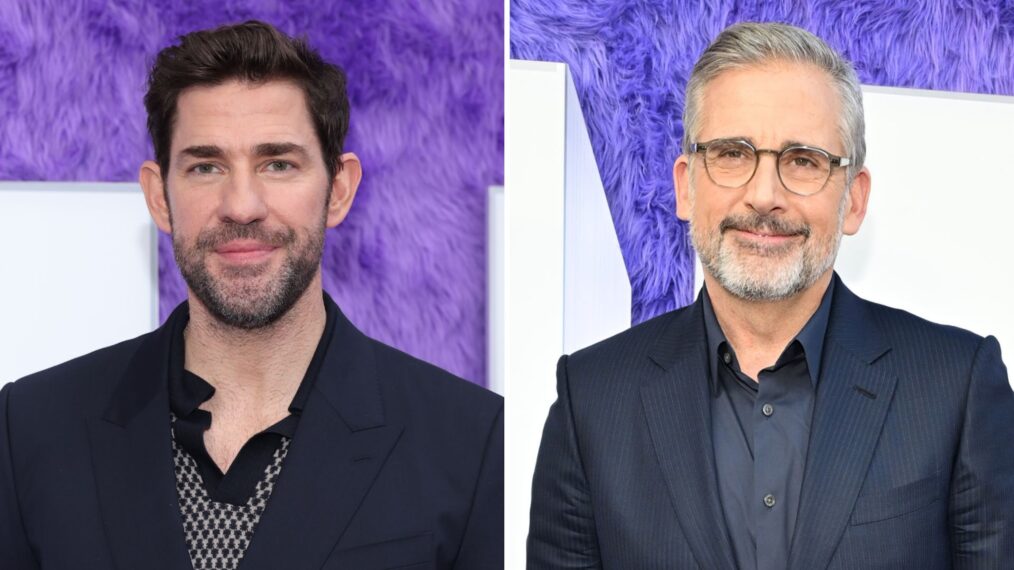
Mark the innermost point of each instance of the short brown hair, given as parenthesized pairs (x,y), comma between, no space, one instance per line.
(252,51)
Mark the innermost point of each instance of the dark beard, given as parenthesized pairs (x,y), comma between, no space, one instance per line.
(267,306)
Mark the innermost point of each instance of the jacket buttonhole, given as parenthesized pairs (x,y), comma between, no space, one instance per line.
(865,392)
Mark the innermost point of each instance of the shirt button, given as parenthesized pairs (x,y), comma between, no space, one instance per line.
(727,357)
(769,500)
(767,410)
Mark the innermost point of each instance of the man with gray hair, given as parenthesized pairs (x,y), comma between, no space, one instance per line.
(779,421)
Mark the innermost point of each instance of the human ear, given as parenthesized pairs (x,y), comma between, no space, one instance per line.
(153,187)
(859,197)
(681,184)
(343,188)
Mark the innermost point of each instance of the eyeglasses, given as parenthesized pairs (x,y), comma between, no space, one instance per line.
(803,170)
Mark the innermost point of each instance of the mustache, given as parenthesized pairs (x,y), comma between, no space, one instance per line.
(763,224)
(212,238)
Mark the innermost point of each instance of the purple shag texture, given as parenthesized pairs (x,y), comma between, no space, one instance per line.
(408,266)
(631,61)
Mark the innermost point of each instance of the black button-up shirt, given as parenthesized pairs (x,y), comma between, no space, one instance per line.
(760,434)
(187,391)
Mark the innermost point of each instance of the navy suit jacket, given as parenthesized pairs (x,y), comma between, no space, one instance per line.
(910,464)
(394,464)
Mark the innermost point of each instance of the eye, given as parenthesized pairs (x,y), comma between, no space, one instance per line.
(204,168)
(802,159)
(729,152)
(280,166)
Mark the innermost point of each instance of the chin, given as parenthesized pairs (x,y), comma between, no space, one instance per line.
(761,280)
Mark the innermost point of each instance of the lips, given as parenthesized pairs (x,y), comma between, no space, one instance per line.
(242,246)
(765,236)
(760,226)
(243,250)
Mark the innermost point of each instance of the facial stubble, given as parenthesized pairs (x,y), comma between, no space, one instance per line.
(239,297)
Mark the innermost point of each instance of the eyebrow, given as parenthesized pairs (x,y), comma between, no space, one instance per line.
(279,148)
(784,145)
(202,151)
(789,143)
(262,150)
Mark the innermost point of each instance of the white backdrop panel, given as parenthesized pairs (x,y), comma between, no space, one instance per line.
(533,302)
(495,277)
(565,283)
(79,271)
(936,240)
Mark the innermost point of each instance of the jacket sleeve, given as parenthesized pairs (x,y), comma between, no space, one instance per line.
(982,486)
(15,553)
(561,533)
(482,545)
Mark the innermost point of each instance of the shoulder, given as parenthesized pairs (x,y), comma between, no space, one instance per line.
(634,346)
(46,412)
(450,421)
(417,388)
(907,331)
(82,384)
(608,374)
(926,354)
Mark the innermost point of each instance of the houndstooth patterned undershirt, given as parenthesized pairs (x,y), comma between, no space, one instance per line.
(218,534)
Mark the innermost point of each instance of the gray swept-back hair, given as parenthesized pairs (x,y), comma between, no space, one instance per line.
(747,44)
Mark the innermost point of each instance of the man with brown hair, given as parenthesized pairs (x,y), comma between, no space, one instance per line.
(257,428)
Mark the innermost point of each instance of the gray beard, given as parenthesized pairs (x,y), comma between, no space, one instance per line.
(784,279)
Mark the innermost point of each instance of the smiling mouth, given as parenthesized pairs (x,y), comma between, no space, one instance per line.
(245,251)
(765,235)
(763,243)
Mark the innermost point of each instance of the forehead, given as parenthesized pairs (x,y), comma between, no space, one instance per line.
(772,104)
(238,115)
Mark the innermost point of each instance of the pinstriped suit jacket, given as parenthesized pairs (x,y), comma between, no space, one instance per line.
(910,465)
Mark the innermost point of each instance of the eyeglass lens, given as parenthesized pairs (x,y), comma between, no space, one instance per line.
(733,163)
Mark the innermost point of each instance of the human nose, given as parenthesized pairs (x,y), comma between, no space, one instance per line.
(764,191)
(242,201)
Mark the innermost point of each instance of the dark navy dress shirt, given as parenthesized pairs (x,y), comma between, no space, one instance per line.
(760,434)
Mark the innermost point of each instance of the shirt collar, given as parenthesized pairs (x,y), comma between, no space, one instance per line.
(811,336)
(187,391)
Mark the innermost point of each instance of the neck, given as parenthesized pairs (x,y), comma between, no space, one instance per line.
(760,330)
(257,371)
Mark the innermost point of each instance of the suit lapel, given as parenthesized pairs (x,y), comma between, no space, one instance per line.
(677,406)
(338,450)
(853,397)
(132,460)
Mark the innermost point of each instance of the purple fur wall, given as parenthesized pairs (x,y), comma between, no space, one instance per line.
(631,60)
(426,85)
